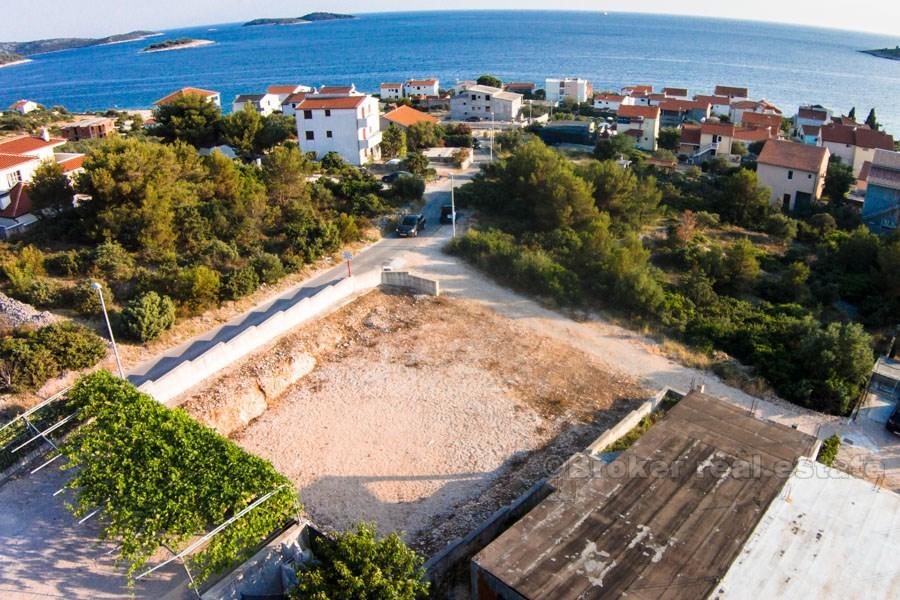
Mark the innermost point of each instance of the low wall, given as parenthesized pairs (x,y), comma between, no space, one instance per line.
(191,372)
(611,435)
(404,279)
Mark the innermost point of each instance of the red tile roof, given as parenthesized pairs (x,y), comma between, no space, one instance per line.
(690,134)
(672,91)
(406,116)
(730,91)
(647,112)
(72,164)
(20,104)
(752,119)
(336,89)
(391,85)
(519,85)
(295,98)
(421,82)
(188,91)
(859,136)
(339,103)
(718,100)
(793,155)
(27,143)
(638,88)
(810,113)
(8,161)
(19,204)
(755,135)
(281,89)
(682,105)
(723,129)
(610,97)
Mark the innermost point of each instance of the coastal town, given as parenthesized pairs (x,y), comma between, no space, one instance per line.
(476,339)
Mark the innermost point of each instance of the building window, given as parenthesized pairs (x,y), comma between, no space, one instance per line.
(328,134)
(307,114)
(310,135)
(809,176)
(790,174)
(327,112)
(13,178)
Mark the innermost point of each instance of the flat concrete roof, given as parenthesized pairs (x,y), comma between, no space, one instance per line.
(663,520)
(888,368)
(827,535)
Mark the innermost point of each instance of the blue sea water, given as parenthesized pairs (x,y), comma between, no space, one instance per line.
(785,64)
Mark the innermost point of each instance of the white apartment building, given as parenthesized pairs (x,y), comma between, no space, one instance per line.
(347,125)
(485,103)
(420,87)
(391,91)
(612,102)
(577,89)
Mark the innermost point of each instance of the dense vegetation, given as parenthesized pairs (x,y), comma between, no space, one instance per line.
(160,478)
(358,565)
(167,44)
(579,235)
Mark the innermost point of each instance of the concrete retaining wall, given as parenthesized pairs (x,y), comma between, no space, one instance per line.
(191,372)
(611,435)
(404,279)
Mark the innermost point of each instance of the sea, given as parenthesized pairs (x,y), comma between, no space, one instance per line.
(785,64)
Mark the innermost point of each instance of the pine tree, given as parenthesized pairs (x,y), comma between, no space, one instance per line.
(852,114)
(871,120)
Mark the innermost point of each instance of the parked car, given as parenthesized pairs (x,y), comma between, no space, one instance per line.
(447,214)
(476,143)
(392,177)
(893,422)
(411,225)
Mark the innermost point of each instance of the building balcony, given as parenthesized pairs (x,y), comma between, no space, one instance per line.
(372,141)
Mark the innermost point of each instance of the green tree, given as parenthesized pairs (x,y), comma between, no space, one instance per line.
(741,265)
(872,120)
(490,80)
(393,142)
(619,191)
(509,139)
(416,163)
(670,139)
(356,564)
(614,147)
(277,129)
(198,288)
(408,189)
(50,189)
(240,130)
(838,179)
(192,119)
(423,134)
(147,316)
(742,199)
(284,171)
(852,114)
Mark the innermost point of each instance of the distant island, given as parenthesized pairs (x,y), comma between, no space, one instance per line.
(889,53)
(56,44)
(308,18)
(11,58)
(179,44)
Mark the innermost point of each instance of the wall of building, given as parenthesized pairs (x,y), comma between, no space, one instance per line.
(353,131)
(776,179)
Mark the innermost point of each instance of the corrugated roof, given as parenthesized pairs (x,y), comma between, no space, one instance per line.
(827,535)
(792,155)
(663,520)
(406,116)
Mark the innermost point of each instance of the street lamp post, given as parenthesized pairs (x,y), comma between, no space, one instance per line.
(452,206)
(112,339)
(492,136)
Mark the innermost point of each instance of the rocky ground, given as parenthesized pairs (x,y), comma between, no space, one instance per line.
(16,314)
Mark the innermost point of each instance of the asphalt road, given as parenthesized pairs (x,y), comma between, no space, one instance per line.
(376,256)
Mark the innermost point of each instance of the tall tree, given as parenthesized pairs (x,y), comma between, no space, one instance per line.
(669,138)
(838,179)
(424,135)
(393,142)
(192,119)
(490,80)
(240,129)
(50,188)
(872,120)
(852,114)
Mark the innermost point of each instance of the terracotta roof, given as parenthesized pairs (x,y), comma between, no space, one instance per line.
(682,105)
(751,104)
(690,134)
(19,202)
(519,85)
(188,91)
(725,129)
(72,164)
(810,113)
(647,112)
(20,104)
(611,97)
(639,88)
(336,89)
(406,116)
(281,89)
(718,100)
(342,102)
(657,96)
(26,144)
(420,82)
(751,119)
(391,85)
(862,137)
(755,135)
(792,155)
(727,90)
(8,161)
(295,98)
(672,91)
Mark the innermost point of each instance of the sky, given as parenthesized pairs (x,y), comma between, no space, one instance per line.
(34,19)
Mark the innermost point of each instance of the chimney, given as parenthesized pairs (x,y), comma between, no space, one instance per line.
(45,135)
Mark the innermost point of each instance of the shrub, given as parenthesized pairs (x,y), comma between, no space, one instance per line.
(781,226)
(84,299)
(349,230)
(268,267)
(407,189)
(73,346)
(113,261)
(239,283)
(147,316)
(42,292)
(358,565)
(29,359)
(829,450)
(198,288)
(64,264)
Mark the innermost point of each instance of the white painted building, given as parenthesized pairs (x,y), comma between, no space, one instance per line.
(641,123)
(577,89)
(420,87)
(391,91)
(283,91)
(289,105)
(264,104)
(612,102)
(23,107)
(793,172)
(347,125)
(485,103)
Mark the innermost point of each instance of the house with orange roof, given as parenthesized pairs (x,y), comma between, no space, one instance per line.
(404,117)
(718,105)
(391,91)
(731,92)
(761,120)
(421,87)
(23,107)
(289,105)
(631,90)
(611,102)
(209,95)
(283,91)
(674,92)
(640,122)
(39,147)
(854,144)
(338,90)
(793,172)
(740,107)
(89,128)
(348,125)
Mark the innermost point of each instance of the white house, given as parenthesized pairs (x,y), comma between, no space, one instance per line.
(264,104)
(347,125)
(40,148)
(283,91)
(289,105)
(854,144)
(640,123)
(741,107)
(391,91)
(718,105)
(612,102)
(793,172)
(577,89)
(485,103)
(420,87)
(24,107)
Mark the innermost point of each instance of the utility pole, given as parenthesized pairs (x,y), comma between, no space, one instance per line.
(99,289)
(452,206)
(492,136)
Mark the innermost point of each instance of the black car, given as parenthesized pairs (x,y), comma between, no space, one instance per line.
(392,177)
(893,422)
(411,225)
(447,214)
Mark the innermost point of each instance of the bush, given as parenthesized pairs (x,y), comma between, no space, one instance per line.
(781,226)
(113,262)
(829,450)
(29,359)
(240,283)
(268,267)
(43,292)
(147,316)
(84,299)
(64,264)
(197,288)
(408,189)
(73,346)
(358,565)
(349,230)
